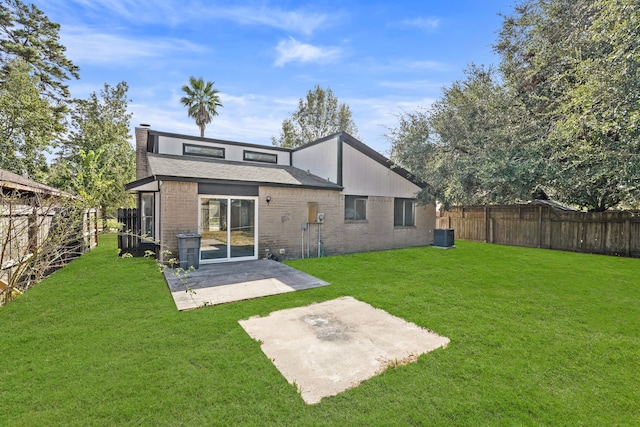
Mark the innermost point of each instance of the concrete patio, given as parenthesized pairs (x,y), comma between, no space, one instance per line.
(213,284)
(326,348)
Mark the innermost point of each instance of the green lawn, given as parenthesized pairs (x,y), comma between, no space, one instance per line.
(537,338)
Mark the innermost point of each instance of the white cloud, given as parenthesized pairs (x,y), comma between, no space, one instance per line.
(172,13)
(291,50)
(85,45)
(428,24)
(252,118)
(297,21)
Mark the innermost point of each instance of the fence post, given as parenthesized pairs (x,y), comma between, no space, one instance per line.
(540,226)
(583,232)
(95,226)
(627,236)
(549,233)
(486,224)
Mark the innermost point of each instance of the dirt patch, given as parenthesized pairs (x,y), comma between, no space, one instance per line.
(326,348)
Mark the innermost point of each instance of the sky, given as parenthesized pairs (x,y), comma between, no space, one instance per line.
(379,57)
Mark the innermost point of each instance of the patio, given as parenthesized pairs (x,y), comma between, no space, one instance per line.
(220,283)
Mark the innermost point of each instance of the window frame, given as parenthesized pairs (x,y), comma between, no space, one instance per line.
(404,201)
(355,199)
(147,222)
(249,152)
(204,148)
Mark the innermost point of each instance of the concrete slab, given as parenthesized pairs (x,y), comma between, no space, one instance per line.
(326,348)
(214,284)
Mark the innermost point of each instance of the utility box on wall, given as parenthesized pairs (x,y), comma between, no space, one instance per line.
(312,212)
(443,238)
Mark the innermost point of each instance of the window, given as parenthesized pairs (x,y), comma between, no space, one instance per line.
(260,157)
(404,212)
(146,215)
(355,208)
(202,150)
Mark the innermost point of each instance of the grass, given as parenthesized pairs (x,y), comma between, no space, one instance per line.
(537,338)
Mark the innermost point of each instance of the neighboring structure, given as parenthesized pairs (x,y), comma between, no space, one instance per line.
(12,183)
(29,247)
(332,196)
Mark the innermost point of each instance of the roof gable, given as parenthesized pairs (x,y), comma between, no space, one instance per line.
(345,138)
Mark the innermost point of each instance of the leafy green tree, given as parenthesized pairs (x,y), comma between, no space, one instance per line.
(98,159)
(319,114)
(574,65)
(27,33)
(201,100)
(28,124)
(562,117)
(468,146)
(91,176)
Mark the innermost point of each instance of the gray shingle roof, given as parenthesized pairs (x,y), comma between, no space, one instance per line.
(175,167)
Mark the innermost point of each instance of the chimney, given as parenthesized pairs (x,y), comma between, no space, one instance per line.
(142,163)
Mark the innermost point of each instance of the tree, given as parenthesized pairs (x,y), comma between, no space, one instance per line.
(562,117)
(468,146)
(574,65)
(318,115)
(201,101)
(28,125)
(97,159)
(26,33)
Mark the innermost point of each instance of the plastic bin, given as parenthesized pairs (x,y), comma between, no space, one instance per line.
(189,250)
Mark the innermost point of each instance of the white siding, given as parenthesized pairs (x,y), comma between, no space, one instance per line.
(170,145)
(320,159)
(365,177)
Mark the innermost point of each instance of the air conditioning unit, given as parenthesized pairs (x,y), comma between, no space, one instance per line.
(443,238)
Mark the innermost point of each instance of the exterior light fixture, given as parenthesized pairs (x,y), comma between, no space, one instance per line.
(268,199)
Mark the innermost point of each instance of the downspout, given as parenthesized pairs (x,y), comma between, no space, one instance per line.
(340,160)
(305,226)
(159,221)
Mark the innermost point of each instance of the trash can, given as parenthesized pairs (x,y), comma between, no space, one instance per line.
(189,250)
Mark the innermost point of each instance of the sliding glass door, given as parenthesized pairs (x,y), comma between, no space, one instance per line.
(228,228)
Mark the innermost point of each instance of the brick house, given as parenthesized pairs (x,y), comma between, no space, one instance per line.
(331,196)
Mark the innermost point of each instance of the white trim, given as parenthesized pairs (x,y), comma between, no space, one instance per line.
(148,187)
(228,258)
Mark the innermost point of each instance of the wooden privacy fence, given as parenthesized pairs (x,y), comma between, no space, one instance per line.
(542,226)
(23,228)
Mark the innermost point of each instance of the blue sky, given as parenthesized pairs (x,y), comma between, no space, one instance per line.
(379,57)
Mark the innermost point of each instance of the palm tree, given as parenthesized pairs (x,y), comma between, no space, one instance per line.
(201,100)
